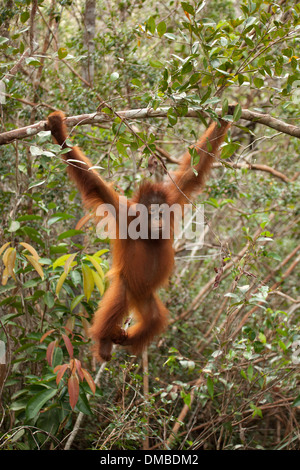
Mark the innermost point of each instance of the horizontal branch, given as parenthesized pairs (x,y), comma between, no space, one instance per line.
(243,165)
(258,167)
(145,113)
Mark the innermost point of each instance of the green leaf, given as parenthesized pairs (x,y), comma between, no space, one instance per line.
(96,262)
(256,411)
(33,185)
(69,233)
(101,252)
(212,202)
(59,216)
(187,68)
(88,281)
(24,16)
(207,80)
(258,82)
(225,107)
(249,42)
(161,28)
(38,401)
(83,405)
(170,36)
(14,226)
(282,345)
(62,52)
(229,149)
(151,25)
(3,40)
(121,149)
(76,278)
(241,78)
(186,398)
(57,357)
(210,387)
(262,338)
(114,76)
(237,112)
(49,299)
(33,61)
(136,82)
(278,68)
(172,117)
(61,261)
(188,8)
(76,301)
(195,78)
(156,63)
(250,372)
(243,374)
(297,401)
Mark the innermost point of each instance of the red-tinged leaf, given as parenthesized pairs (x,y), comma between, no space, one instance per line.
(69,262)
(50,351)
(79,369)
(36,265)
(31,250)
(72,366)
(69,327)
(60,370)
(89,380)
(68,345)
(45,335)
(3,247)
(187,15)
(60,283)
(73,388)
(86,325)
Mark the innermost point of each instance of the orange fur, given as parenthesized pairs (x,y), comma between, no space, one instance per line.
(140,266)
(185,178)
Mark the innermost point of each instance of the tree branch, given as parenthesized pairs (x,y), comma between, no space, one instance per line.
(250,166)
(145,113)
(258,167)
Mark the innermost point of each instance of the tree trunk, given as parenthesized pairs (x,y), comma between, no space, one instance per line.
(88,40)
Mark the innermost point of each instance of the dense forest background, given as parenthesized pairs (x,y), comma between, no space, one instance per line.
(225,374)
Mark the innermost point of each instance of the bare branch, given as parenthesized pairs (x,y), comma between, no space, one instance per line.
(258,167)
(13,71)
(250,166)
(32,26)
(145,113)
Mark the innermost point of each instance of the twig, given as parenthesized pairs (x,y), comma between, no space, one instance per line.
(13,71)
(185,409)
(146,394)
(32,24)
(30,103)
(288,297)
(248,314)
(211,282)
